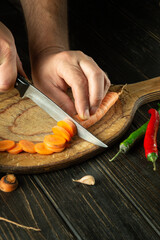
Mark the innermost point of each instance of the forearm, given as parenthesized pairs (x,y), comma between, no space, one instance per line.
(46,22)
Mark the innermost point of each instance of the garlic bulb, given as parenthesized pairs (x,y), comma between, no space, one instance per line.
(88,179)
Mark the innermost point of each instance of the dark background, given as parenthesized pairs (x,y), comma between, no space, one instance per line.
(121,36)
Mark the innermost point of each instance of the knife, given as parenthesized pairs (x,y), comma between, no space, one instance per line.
(26,89)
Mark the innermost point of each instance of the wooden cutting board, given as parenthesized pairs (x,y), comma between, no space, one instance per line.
(23,119)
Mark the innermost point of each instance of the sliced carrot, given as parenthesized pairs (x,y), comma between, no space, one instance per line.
(27,146)
(8,183)
(54,141)
(62,132)
(41,149)
(55,149)
(6,145)
(16,149)
(69,126)
(108,101)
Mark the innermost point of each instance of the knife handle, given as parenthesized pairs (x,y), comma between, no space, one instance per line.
(21,85)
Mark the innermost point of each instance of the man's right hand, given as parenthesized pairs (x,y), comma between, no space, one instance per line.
(10,63)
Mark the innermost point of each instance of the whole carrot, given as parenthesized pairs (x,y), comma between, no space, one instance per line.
(109,100)
(150,139)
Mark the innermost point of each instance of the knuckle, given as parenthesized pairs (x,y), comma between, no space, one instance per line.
(98,74)
(80,53)
(89,58)
(7,50)
(4,87)
(65,55)
(82,82)
(6,84)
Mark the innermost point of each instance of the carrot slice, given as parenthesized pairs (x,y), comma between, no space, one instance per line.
(16,149)
(27,146)
(54,141)
(69,126)
(62,132)
(41,149)
(8,183)
(6,145)
(54,149)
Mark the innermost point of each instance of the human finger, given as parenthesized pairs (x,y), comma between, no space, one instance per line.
(8,68)
(98,82)
(76,79)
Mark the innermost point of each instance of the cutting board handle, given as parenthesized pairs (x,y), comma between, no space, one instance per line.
(145,91)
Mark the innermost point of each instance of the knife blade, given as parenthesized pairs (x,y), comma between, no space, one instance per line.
(26,89)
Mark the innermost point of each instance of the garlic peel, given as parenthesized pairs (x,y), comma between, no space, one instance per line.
(88,179)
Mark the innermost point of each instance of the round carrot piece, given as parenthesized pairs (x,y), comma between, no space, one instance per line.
(55,149)
(6,145)
(69,126)
(41,149)
(54,141)
(27,146)
(8,183)
(62,132)
(16,149)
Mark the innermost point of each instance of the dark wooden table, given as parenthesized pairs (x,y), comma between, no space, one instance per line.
(124,39)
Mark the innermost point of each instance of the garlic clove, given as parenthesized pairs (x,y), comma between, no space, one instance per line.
(88,179)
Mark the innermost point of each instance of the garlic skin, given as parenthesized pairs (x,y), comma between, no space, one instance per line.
(88,180)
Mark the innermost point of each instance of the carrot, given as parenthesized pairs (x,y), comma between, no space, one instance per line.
(16,149)
(108,101)
(8,183)
(69,126)
(6,145)
(41,149)
(27,146)
(61,132)
(54,141)
(54,149)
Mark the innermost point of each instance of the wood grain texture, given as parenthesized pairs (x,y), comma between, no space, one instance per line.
(33,210)
(96,212)
(22,119)
(134,175)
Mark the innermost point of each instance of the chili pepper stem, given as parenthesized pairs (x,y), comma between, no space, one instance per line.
(152,157)
(154,166)
(117,154)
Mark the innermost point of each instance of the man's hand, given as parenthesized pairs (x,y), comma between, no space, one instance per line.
(53,73)
(54,67)
(10,63)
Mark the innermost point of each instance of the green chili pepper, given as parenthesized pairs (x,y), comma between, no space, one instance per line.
(125,146)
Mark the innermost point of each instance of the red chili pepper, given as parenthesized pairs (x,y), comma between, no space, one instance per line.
(150,139)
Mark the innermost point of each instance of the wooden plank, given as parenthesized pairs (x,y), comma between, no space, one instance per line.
(96,212)
(134,175)
(29,206)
